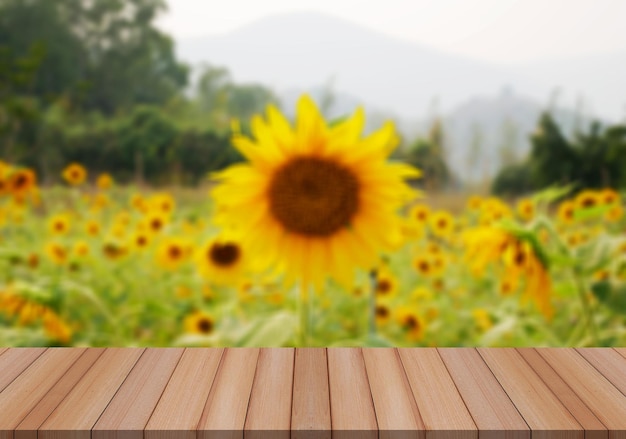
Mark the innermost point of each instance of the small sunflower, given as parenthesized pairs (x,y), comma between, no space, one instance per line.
(386,285)
(316,200)
(92,228)
(199,322)
(172,252)
(59,224)
(474,203)
(526,209)
(423,265)
(57,253)
(81,249)
(155,222)
(222,261)
(382,314)
(587,199)
(75,174)
(21,182)
(420,213)
(442,223)
(104,181)
(411,323)
(566,212)
(140,240)
(614,214)
(609,196)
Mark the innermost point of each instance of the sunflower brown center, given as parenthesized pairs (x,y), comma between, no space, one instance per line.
(205,325)
(175,252)
(383,286)
(314,197)
(411,323)
(382,311)
(224,254)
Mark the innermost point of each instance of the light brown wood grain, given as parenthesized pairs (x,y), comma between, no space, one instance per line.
(351,406)
(21,396)
(490,407)
(310,411)
(621,351)
(544,413)
(269,409)
(396,410)
(439,403)
(27,429)
(2,350)
(225,413)
(129,411)
(81,408)
(180,407)
(606,401)
(594,428)
(609,362)
(14,361)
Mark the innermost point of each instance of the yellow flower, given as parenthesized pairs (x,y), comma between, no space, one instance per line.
(566,212)
(199,322)
(423,265)
(382,314)
(526,209)
(155,222)
(81,249)
(59,224)
(482,319)
(172,252)
(222,261)
(474,203)
(114,250)
(420,213)
(56,328)
(614,214)
(316,200)
(92,228)
(163,203)
(56,252)
(386,285)
(422,294)
(75,174)
(21,182)
(442,223)
(587,199)
(104,181)
(411,323)
(609,196)
(140,240)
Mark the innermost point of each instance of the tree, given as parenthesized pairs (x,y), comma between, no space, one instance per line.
(105,55)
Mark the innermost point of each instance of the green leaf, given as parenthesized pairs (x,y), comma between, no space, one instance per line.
(611,294)
(274,331)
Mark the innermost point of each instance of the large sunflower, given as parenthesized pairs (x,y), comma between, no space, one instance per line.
(315,200)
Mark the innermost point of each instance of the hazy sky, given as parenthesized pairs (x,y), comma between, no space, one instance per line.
(501,31)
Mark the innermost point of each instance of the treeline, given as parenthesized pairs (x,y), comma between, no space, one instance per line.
(592,159)
(97,82)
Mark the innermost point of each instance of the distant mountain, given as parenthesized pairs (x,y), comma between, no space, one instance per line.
(412,84)
(307,49)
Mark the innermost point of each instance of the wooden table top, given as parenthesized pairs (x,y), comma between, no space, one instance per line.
(312,393)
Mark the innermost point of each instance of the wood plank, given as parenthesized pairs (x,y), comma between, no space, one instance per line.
(14,361)
(78,412)
(310,411)
(546,416)
(396,410)
(21,396)
(225,413)
(490,407)
(604,399)
(621,351)
(269,410)
(439,403)
(31,423)
(351,406)
(594,428)
(180,407)
(610,363)
(129,411)
(2,350)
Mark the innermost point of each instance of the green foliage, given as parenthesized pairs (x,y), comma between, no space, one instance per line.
(594,159)
(429,156)
(512,180)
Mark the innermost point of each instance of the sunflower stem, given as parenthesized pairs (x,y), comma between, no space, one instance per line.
(305,316)
(371,330)
(591,326)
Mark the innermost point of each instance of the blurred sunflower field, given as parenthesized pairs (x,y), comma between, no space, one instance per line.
(308,243)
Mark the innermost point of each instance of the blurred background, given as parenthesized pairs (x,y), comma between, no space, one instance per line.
(488,95)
